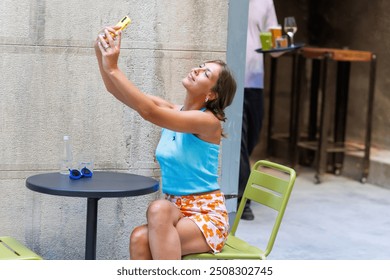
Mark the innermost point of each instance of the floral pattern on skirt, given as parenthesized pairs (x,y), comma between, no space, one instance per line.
(209,213)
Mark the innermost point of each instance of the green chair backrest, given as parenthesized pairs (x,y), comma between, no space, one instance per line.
(268,186)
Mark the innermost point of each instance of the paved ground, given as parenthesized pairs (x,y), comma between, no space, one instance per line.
(339,219)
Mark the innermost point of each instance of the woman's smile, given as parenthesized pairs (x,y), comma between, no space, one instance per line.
(190,77)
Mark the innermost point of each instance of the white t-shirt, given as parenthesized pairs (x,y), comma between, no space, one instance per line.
(261,17)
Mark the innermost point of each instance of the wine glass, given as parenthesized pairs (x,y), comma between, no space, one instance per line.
(290,27)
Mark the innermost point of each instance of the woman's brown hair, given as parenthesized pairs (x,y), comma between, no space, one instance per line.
(224,88)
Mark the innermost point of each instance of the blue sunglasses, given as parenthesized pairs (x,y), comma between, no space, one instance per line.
(75,174)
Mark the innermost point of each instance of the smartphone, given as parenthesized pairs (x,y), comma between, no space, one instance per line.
(123,23)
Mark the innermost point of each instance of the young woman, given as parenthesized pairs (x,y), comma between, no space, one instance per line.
(192,218)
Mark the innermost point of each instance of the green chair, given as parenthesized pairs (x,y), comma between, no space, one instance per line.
(269,184)
(11,249)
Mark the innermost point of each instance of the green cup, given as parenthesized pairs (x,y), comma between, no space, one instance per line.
(266,40)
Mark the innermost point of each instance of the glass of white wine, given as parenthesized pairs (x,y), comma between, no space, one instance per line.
(290,27)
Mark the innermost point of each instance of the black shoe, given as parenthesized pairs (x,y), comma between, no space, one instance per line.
(247,214)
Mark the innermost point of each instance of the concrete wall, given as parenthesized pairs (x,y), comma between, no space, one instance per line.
(50,86)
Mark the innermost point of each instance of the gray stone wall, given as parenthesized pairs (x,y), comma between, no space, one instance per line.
(50,86)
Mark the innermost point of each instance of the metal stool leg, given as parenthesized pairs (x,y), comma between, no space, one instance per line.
(341,107)
(312,122)
(367,144)
(321,154)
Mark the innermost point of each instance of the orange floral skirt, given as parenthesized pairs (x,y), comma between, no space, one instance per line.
(209,213)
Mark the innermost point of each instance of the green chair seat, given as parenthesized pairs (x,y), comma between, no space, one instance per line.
(11,249)
(234,248)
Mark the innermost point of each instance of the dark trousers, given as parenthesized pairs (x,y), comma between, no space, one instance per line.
(252,118)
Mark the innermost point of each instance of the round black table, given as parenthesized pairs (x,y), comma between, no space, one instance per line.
(102,184)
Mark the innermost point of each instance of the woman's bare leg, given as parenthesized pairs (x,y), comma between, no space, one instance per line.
(164,240)
(139,244)
(191,238)
(167,235)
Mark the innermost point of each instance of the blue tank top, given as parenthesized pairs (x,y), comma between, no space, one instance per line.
(188,164)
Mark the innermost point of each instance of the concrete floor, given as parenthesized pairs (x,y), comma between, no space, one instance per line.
(339,219)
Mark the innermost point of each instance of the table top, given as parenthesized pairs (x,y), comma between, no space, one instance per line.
(338,54)
(274,50)
(101,184)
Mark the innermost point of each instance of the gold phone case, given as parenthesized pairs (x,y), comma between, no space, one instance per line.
(124,22)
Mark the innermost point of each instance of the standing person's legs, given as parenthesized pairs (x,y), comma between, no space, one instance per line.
(252,117)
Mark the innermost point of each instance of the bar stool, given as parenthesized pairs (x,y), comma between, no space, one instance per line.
(318,139)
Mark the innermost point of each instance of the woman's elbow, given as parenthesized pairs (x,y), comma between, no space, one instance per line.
(145,114)
(148,114)
(110,89)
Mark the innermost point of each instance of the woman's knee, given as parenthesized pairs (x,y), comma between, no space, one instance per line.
(158,206)
(158,209)
(139,244)
(162,213)
(139,236)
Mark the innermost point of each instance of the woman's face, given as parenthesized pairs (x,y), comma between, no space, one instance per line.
(202,79)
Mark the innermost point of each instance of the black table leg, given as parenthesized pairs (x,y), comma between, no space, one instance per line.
(90,242)
(274,64)
(295,107)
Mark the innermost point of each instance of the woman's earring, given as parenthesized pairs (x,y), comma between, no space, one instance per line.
(207,99)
